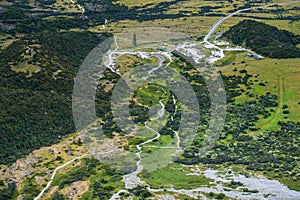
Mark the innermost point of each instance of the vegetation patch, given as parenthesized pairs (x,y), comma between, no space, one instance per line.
(174,176)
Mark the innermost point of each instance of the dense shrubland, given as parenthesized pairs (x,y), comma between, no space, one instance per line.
(36,110)
(266,40)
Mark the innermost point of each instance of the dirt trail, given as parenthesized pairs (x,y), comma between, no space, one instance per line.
(281,82)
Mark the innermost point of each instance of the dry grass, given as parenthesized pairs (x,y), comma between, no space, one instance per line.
(76,190)
(68,6)
(25,68)
(5,42)
(194,6)
(292,26)
(132,3)
(192,26)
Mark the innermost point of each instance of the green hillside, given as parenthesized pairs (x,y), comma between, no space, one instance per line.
(36,89)
(266,40)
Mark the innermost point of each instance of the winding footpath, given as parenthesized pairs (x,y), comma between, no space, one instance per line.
(54,173)
(64,165)
(132,180)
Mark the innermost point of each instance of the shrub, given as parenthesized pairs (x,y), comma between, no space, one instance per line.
(286,112)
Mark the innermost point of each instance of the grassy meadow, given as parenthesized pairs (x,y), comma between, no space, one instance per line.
(281,77)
